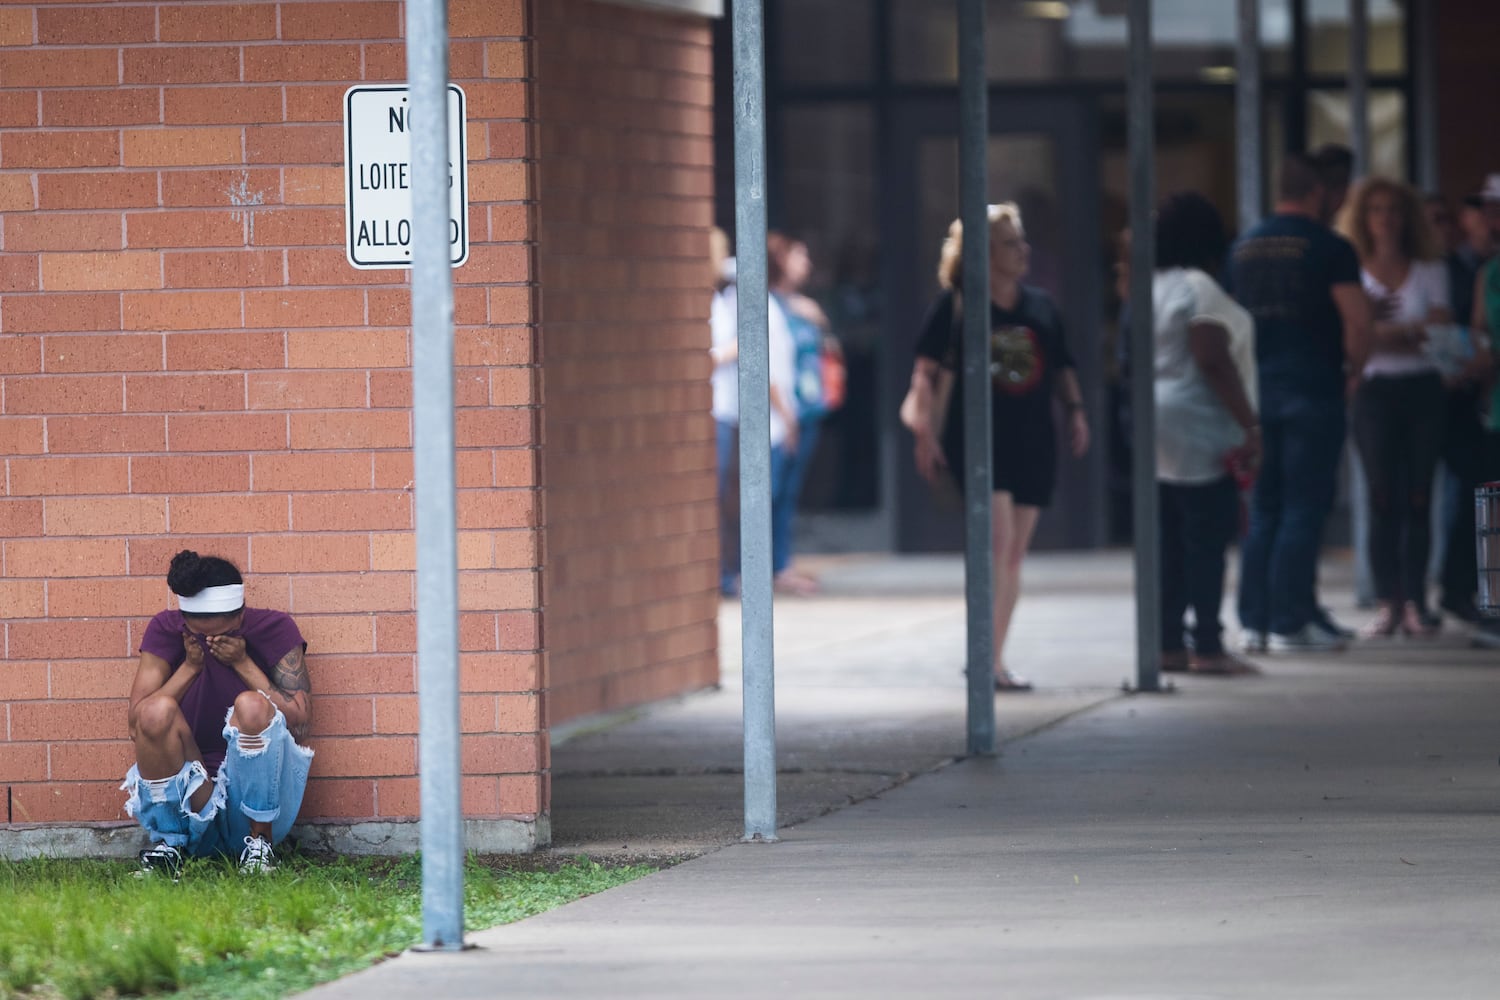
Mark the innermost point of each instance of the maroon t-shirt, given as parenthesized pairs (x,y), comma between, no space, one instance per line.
(269,636)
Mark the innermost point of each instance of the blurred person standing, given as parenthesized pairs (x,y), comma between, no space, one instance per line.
(1466,451)
(724,352)
(1301,284)
(1207,429)
(1399,407)
(1030,369)
(789,267)
(1462,578)
(1474,246)
(1334,163)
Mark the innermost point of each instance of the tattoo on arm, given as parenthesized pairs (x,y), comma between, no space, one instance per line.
(290,675)
(290,678)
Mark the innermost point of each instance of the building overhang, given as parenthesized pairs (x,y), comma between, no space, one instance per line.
(705,8)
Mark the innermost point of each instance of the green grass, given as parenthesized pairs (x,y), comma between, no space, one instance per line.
(91,929)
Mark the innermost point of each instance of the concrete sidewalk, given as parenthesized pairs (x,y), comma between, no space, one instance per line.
(869,692)
(1327,830)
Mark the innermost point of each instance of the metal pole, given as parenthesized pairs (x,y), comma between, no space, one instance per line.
(755,420)
(1359,85)
(437,524)
(979,567)
(1142,365)
(1247,114)
(1425,103)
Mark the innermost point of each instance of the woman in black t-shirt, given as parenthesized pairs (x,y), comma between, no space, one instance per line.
(1029,366)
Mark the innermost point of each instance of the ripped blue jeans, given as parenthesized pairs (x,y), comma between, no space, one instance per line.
(262,778)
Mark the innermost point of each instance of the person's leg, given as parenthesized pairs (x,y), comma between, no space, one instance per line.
(1209,518)
(265,773)
(1174,600)
(784,514)
(1266,510)
(1441,520)
(1312,438)
(1423,441)
(727,447)
(1471,451)
(245,731)
(164,743)
(781,554)
(1014,525)
(1378,432)
(1359,530)
(168,790)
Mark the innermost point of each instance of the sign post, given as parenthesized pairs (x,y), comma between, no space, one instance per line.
(377,177)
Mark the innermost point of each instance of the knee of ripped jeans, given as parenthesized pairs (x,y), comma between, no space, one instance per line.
(252,744)
(157,791)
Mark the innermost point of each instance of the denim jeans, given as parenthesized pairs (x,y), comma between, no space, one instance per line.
(1198,521)
(264,785)
(787,492)
(1303,437)
(727,441)
(727,445)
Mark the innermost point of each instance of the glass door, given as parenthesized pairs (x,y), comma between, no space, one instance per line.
(1043,155)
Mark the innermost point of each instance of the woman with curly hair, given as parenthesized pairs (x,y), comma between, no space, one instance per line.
(1399,405)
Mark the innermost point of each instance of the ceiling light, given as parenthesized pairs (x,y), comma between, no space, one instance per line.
(1219,74)
(1047,10)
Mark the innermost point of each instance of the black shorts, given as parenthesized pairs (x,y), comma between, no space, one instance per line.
(1025,462)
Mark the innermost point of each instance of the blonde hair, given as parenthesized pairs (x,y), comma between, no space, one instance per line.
(1417,240)
(951,260)
(718,253)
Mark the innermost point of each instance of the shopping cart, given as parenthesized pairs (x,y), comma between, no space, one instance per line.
(1487,538)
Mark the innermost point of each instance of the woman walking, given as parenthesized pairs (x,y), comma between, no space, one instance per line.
(1399,407)
(1207,429)
(1030,366)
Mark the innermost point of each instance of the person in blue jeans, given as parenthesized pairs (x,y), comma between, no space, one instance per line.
(1301,283)
(788,267)
(219,707)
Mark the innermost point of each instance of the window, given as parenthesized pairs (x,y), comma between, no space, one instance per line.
(1045,40)
(1328,121)
(1328,36)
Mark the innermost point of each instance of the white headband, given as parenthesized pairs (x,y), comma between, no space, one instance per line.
(214,600)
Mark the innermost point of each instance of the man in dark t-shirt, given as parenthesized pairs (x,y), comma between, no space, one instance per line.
(1301,283)
(220,701)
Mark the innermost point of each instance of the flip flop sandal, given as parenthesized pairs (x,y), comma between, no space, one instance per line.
(1224,665)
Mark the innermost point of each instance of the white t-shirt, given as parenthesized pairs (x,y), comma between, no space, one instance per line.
(1425,289)
(1194,430)
(723,323)
(725,379)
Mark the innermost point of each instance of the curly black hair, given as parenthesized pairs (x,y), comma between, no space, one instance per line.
(1190,233)
(191,573)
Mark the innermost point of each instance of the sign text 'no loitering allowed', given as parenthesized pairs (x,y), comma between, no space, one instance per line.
(377,177)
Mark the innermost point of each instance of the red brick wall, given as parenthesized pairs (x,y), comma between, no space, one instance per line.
(186,359)
(625,183)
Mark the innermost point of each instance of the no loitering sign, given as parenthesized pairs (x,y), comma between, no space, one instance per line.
(377,177)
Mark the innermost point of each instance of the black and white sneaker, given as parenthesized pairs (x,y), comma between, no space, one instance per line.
(1307,639)
(257,858)
(1254,641)
(161,859)
(1324,623)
